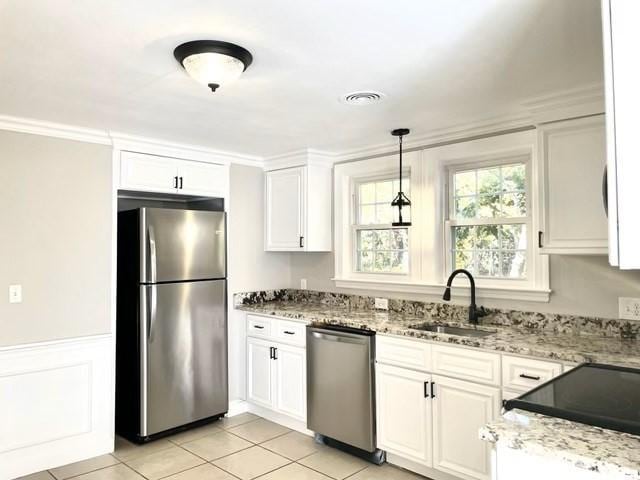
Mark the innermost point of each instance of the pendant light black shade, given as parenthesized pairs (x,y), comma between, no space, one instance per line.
(401,200)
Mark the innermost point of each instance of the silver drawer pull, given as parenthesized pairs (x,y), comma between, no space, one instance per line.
(259,327)
(288,332)
(529,377)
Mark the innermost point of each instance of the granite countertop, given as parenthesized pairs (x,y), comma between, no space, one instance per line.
(572,348)
(610,453)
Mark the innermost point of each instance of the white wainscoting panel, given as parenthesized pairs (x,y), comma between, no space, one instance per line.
(56,404)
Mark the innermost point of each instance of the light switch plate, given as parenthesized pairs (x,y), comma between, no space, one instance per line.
(303,284)
(15,293)
(629,308)
(381,304)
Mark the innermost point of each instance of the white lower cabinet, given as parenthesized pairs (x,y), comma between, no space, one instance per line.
(460,409)
(290,381)
(404,413)
(276,372)
(260,368)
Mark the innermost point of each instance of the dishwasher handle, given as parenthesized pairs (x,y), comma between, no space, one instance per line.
(334,336)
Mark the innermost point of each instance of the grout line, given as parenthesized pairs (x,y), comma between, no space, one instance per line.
(185,470)
(355,473)
(118,462)
(274,470)
(134,471)
(277,436)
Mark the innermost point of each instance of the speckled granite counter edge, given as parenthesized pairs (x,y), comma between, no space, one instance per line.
(558,323)
(595,449)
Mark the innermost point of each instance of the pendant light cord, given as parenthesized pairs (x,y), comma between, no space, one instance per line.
(400,139)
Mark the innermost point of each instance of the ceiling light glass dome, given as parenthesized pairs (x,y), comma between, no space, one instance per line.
(211,62)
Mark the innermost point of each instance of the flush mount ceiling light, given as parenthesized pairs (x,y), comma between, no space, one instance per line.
(211,62)
(362,98)
(401,199)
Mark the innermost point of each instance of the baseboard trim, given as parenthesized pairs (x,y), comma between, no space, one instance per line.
(59,397)
(415,467)
(292,423)
(237,407)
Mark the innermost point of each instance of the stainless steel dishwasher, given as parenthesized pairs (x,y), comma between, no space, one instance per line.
(341,388)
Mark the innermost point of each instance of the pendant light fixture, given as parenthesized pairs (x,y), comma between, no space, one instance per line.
(211,62)
(401,200)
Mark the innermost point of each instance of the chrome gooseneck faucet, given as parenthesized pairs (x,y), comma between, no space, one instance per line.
(474,313)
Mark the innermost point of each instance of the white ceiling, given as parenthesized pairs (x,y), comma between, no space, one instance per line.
(108,64)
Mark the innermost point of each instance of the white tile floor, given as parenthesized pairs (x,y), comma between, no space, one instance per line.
(241,447)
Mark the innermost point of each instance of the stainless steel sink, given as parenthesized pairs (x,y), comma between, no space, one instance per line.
(461,331)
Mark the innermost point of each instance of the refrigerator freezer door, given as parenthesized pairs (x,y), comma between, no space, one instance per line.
(181,245)
(183,342)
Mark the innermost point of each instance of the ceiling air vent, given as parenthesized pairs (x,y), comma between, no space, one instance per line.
(362,98)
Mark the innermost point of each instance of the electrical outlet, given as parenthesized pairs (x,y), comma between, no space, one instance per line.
(15,293)
(629,308)
(303,284)
(381,303)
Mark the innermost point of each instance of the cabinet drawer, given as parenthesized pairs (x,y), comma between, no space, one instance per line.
(508,393)
(467,364)
(524,373)
(289,332)
(412,354)
(258,326)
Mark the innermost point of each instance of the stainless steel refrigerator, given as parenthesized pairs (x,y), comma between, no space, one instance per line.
(171,341)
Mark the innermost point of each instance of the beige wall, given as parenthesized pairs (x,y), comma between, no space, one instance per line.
(582,285)
(250,267)
(55,238)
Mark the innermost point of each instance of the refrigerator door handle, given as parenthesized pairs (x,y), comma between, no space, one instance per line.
(153,307)
(152,254)
(144,324)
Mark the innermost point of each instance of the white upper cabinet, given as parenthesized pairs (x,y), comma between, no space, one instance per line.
(198,178)
(149,173)
(621,37)
(298,209)
(573,157)
(153,173)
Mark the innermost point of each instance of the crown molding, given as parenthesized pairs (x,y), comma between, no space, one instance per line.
(52,129)
(298,158)
(487,126)
(571,103)
(133,143)
(122,141)
(561,105)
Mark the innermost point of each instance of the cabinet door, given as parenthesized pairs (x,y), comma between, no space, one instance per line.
(404,413)
(141,172)
(290,381)
(284,200)
(573,161)
(197,178)
(621,37)
(459,410)
(259,372)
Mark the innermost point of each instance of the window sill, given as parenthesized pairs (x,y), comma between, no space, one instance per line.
(483,292)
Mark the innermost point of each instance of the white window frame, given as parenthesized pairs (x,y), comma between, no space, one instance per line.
(451,221)
(356,226)
(429,265)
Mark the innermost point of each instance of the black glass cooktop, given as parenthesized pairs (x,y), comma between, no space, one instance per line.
(602,395)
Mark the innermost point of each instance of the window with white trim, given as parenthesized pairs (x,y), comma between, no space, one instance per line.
(489,220)
(379,247)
